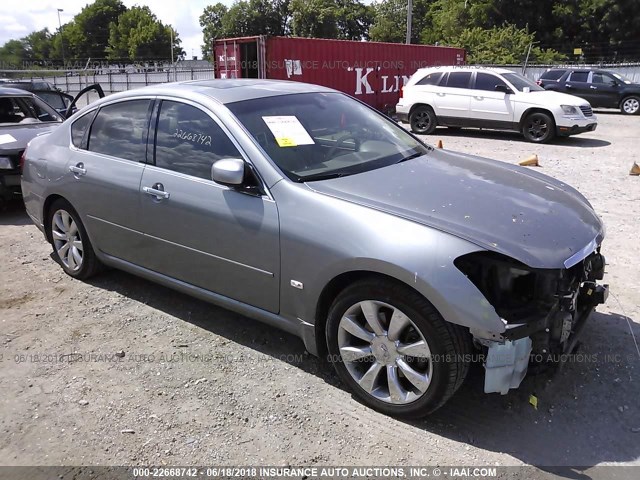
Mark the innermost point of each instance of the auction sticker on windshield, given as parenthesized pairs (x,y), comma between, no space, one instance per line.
(288,131)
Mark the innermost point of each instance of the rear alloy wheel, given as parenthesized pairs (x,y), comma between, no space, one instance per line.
(538,127)
(630,106)
(423,120)
(71,246)
(394,350)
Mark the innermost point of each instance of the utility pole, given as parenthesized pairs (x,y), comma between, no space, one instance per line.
(61,37)
(409,14)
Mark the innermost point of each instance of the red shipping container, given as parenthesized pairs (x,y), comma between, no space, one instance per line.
(373,72)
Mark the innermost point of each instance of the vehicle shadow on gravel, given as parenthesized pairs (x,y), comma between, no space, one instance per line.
(587,412)
(573,141)
(237,328)
(13,213)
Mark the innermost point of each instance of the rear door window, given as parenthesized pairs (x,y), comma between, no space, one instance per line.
(189,141)
(459,79)
(120,130)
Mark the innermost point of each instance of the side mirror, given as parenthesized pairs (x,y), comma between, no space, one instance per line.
(228,171)
(503,89)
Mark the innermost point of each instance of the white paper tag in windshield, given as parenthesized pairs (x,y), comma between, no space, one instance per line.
(6,139)
(288,131)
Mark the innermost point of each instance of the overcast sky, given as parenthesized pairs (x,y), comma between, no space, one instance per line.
(18,19)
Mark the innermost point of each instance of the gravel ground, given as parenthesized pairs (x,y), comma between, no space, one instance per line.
(200,385)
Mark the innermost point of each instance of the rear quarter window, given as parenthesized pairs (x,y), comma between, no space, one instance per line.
(430,79)
(79,128)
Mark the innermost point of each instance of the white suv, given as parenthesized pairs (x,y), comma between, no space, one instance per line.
(490,98)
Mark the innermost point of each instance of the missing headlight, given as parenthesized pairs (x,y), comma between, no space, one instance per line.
(517,292)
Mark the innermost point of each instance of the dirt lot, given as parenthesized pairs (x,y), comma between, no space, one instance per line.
(200,385)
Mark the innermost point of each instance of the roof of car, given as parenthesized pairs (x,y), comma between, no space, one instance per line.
(229,90)
(14,92)
(466,68)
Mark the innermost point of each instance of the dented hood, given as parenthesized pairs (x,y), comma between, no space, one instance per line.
(498,206)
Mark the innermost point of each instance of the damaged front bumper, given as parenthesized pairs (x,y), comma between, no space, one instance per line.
(544,312)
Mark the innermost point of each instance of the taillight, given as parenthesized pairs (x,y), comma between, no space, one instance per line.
(22,158)
(539,82)
(401,91)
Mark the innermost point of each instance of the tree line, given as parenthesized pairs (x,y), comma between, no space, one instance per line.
(491,31)
(105,29)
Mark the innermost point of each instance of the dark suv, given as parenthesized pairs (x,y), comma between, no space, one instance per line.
(601,88)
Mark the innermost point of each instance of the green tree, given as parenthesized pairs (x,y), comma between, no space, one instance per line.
(343,19)
(12,54)
(38,45)
(87,35)
(390,20)
(502,45)
(138,34)
(211,23)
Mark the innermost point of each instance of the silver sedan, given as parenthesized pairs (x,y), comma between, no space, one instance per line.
(304,208)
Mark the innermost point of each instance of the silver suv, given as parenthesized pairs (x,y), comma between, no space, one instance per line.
(495,99)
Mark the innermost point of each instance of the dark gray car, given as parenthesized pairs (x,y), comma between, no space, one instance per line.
(23,116)
(304,208)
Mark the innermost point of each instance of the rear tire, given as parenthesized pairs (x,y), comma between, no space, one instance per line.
(539,127)
(423,120)
(409,363)
(630,105)
(71,246)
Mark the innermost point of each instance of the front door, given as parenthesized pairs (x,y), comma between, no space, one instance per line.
(489,107)
(198,231)
(605,90)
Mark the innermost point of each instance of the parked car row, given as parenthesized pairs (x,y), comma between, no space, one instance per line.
(304,208)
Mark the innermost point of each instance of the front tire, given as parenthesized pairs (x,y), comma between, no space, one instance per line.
(630,105)
(394,350)
(71,246)
(423,120)
(538,127)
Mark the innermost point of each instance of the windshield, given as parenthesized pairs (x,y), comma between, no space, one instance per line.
(316,136)
(520,82)
(25,110)
(622,78)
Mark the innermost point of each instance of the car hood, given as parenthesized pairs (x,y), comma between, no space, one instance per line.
(498,206)
(15,138)
(548,97)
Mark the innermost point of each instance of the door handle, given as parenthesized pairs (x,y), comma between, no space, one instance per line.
(78,169)
(156,191)
(479,98)
(591,86)
(569,86)
(440,94)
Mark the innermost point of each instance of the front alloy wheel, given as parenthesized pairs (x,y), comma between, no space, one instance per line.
(538,127)
(394,350)
(384,352)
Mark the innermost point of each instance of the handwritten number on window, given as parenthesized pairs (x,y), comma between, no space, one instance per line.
(197,138)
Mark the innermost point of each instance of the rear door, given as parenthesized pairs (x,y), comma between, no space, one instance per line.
(452,99)
(489,106)
(105,168)
(197,231)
